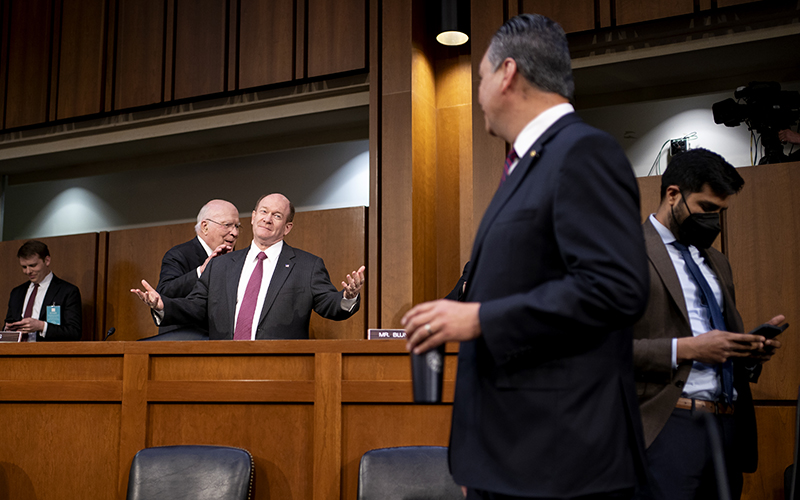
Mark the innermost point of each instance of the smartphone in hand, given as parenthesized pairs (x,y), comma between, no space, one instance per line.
(769,331)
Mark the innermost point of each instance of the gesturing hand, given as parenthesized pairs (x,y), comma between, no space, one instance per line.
(355,281)
(149,296)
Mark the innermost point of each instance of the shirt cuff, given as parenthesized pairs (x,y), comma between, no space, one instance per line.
(44,330)
(198,271)
(158,316)
(674,354)
(348,304)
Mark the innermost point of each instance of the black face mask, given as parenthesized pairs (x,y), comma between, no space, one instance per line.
(699,229)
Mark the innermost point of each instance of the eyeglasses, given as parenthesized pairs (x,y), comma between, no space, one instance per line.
(228,225)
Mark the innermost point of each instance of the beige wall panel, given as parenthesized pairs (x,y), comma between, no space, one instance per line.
(34,464)
(278,436)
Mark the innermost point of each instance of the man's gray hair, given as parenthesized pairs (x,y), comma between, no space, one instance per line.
(202,215)
(539,47)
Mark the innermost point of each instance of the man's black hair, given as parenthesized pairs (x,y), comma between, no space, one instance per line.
(693,169)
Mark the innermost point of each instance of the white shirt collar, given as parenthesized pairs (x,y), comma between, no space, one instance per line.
(272,252)
(666,235)
(536,127)
(205,245)
(45,282)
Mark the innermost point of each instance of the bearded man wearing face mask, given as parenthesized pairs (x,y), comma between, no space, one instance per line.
(687,353)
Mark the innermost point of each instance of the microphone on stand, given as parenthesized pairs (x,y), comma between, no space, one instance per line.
(109,333)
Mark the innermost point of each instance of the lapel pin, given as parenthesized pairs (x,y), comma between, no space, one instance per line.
(533,153)
(287,265)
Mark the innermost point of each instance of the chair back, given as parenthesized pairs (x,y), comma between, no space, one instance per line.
(191,472)
(418,472)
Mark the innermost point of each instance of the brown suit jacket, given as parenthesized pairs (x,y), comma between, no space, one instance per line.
(658,387)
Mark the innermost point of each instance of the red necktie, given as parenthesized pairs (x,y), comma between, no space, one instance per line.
(29,307)
(244,323)
(510,159)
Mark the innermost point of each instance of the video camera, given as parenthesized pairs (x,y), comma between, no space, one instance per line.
(766,109)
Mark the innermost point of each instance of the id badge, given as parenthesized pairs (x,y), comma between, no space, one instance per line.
(54,315)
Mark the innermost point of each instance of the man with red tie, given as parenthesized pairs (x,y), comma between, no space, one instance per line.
(46,307)
(545,403)
(265,291)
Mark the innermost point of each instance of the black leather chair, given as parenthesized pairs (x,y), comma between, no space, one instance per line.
(180,334)
(410,472)
(191,472)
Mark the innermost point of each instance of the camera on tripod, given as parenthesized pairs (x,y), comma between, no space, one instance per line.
(766,110)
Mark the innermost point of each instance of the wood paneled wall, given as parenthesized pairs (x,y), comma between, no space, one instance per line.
(106,266)
(74,58)
(585,15)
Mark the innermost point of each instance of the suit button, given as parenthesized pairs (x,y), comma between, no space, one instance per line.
(679,384)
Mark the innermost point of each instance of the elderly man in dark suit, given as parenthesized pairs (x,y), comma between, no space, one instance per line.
(545,405)
(217,230)
(266,291)
(46,307)
(686,345)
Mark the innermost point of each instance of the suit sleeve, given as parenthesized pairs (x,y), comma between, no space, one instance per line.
(597,233)
(71,317)
(176,279)
(14,313)
(192,309)
(327,299)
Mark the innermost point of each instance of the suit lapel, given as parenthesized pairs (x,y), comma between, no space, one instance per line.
(237,264)
(659,257)
(525,165)
(49,297)
(200,252)
(282,270)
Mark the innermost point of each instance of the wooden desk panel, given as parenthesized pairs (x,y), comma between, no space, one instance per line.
(58,450)
(307,410)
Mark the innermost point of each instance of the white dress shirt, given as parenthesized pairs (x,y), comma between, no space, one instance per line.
(703,382)
(273,252)
(535,128)
(37,302)
(206,248)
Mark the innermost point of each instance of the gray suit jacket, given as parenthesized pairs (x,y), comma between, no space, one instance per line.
(658,387)
(300,283)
